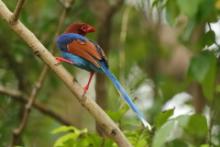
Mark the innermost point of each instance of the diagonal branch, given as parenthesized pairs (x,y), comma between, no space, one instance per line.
(17,11)
(37,86)
(110,128)
(22,98)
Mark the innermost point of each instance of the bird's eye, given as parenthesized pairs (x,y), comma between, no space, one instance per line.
(84,28)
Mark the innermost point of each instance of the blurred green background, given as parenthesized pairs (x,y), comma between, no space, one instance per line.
(164,52)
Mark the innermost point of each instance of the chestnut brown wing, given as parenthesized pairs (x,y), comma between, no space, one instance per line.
(86,50)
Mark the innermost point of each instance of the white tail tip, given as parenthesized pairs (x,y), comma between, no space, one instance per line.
(146,124)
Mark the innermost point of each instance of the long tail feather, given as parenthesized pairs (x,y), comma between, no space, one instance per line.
(124,95)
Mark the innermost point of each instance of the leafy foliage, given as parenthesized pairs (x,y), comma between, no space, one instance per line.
(163,117)
(169,47)
(203,70)
(74,137)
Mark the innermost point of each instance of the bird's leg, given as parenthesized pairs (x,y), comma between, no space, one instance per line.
(61,59)
(87,85)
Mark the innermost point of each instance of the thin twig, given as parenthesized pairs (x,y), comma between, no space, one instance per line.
(23,98)
(110,128)
(18,131)
(17,11)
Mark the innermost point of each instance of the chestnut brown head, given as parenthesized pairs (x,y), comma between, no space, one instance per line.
(80,28)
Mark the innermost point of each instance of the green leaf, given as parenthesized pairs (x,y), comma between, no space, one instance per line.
(116,116)
(138,138)
(163,134)
(197,125)
(189,7)
(162,117)
(208,11)
(69,138)
(208,84)
(199,67)
(64,129)
(176,143)
(203,70)
(64,139)
(208,38)
(204,145)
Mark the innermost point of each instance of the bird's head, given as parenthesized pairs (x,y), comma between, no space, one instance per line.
(80,28)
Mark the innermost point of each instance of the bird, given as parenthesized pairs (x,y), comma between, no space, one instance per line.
(83,53)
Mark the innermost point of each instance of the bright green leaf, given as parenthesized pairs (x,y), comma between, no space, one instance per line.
(204,145)
(63,129)
(116,116)
(71,135)
(162,117)
(68,137)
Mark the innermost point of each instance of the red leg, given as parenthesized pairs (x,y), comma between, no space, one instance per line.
(87,85)
(60,59)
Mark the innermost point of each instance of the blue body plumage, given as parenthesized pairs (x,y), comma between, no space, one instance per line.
(64,40)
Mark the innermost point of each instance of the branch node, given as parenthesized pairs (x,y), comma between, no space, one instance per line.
(36,52)
(74,80)
(28,107)
(12,20)
(17,11)
(114,132)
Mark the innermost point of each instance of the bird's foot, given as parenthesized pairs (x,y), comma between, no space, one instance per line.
(87,85)
(60,59)
(85,89)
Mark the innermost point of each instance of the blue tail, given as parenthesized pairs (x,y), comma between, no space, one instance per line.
(124,94)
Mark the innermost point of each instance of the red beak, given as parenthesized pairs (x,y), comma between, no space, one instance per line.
(90,29)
